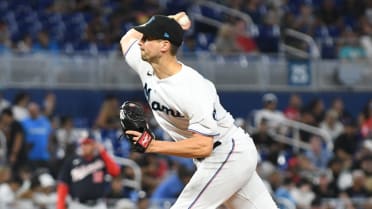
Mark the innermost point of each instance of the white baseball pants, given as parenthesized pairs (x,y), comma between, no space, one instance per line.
(228,177)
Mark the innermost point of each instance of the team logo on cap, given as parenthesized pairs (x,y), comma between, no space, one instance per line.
(166,35)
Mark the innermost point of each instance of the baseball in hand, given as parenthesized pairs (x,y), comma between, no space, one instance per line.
(184,21)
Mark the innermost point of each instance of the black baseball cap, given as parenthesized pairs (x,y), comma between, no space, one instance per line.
(162,27)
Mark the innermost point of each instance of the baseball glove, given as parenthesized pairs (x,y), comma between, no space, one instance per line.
(132,117)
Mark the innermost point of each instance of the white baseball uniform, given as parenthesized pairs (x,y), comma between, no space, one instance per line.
(186,102)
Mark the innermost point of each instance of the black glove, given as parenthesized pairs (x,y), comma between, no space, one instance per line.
(132,117)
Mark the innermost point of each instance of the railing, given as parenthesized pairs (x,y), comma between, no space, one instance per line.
(197,15)
(288,132)
(136,182)
(238,73)
(296,140)
(312,53)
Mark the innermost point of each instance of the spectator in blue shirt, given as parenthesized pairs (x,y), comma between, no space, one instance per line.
(318,153)
(37,132)
(172,185)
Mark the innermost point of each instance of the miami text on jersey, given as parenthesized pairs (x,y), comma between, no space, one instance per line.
(80,172)
(156,106)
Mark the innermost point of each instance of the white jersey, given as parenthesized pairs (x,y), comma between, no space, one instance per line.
(187,103)
(182,103)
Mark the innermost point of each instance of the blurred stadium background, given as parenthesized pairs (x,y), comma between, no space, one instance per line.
(295,73)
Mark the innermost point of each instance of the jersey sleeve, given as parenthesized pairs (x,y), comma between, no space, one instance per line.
(134,60)
(201,112)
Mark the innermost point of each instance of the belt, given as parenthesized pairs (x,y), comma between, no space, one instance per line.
(215,144)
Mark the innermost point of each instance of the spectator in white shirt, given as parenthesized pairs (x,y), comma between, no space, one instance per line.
(20,103)
(331,125)
(269,111)
(3,102)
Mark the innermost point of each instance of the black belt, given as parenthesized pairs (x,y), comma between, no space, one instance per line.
(215,144)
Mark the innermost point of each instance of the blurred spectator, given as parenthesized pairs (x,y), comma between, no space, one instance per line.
(275,179)
(153,170)
(15,140)
(225,42)
(96,29)
(63,143)
(292,111)
(67,137)
(366,120)
(366,166)
(43,190)
(317,204)
(303,195)
(338,106)
(269,111)
(317,109)
(243,39)
(268,36)
(331,124)
(191,46)
(8,186)
(115,192)
(4,103)
(329,13)
(87,6)
(284,191)
(5,41)
(143,201)
(125,204)
(318,154)
(24,46)
(347,143)
(125,11)
(308,118)
(37,133)
(108,117)
(358,190)
(49,105)
(241,123)
(43,43)
(350,47)
(337,170)
(305,20)
(25,174)
(172,185)
(256,9)
(114,30)
(85,170)
(19,107)
(323,187)
(267,147)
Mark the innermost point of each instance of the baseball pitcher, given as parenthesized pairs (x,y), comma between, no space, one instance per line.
(187,107)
